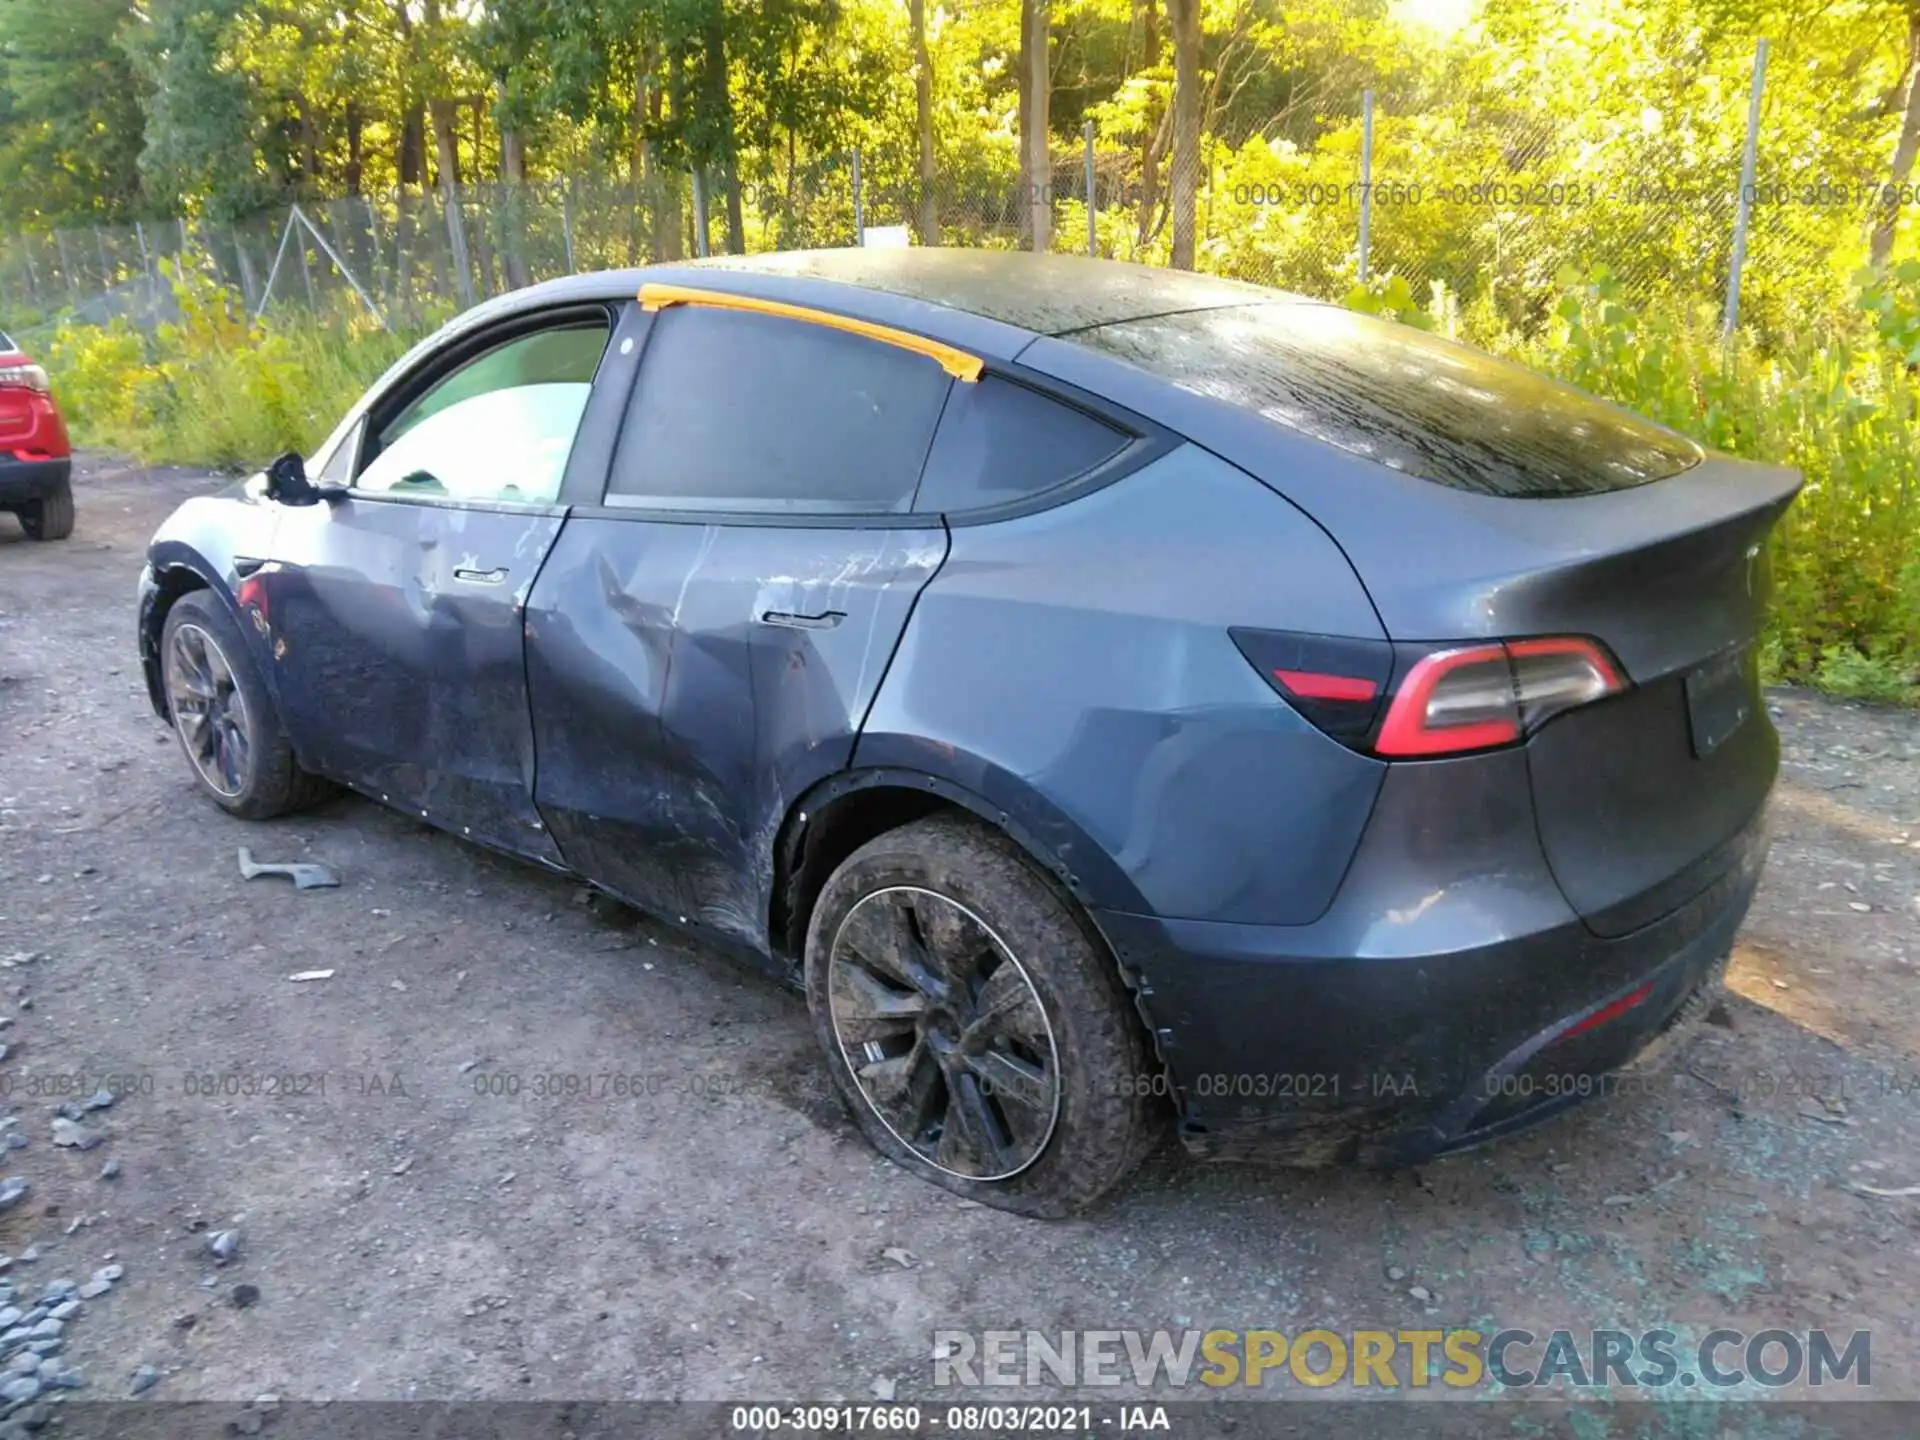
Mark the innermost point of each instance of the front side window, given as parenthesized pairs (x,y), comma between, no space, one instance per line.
(746,412)
(499,428)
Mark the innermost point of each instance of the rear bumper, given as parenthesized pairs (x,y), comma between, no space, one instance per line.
(24,481)
(1440,1002)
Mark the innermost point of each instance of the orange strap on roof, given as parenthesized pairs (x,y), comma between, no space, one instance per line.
(956,363)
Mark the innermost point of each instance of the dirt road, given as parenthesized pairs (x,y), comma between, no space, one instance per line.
(421,1213)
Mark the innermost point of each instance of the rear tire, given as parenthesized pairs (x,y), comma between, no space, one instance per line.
(998,1053)
(51,516)
(228,726)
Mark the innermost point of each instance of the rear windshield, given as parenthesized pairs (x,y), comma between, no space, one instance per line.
(1423,405)
(5,343)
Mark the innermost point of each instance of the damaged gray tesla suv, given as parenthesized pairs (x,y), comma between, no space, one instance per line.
(1118,697)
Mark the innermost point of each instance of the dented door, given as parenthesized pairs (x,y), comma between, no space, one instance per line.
(395,632)
(688,681)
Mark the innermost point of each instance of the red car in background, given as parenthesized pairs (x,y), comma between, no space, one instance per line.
(35,458)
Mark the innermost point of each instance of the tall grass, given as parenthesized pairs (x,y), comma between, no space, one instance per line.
(1841,404)
(216,388)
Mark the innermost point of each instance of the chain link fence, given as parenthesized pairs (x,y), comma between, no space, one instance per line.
(1485,214)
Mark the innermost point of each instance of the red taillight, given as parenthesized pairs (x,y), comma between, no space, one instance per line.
(24,376)
(1335,682)
(1309,685)
(1453,700)
(1477,697)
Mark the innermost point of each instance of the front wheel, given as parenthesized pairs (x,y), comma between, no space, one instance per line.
(974,1024)
(228,726)
(50,517)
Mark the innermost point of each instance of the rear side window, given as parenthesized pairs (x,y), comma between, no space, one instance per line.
(1422,405)
(741,411)
(5,343)
(1000,442)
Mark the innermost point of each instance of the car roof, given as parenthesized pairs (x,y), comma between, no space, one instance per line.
(935,290)
(1048,294)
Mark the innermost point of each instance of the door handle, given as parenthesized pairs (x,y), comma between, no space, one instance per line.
(826,620)
(482,577)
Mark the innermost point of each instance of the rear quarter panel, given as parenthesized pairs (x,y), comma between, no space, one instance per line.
(1077,661)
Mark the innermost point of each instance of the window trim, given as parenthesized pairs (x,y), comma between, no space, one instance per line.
(768,519)
(958,363)
(454,356)
(531,508)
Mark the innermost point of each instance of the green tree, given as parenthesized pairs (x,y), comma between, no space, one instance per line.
(1185,15)
(202,116)
(70,120)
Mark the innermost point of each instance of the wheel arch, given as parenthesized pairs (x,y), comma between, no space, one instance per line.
(172,571)
(839,814)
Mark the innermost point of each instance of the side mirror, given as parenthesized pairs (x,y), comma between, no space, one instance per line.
(287,481)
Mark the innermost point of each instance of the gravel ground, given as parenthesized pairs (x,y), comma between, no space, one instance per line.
(396,1224)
